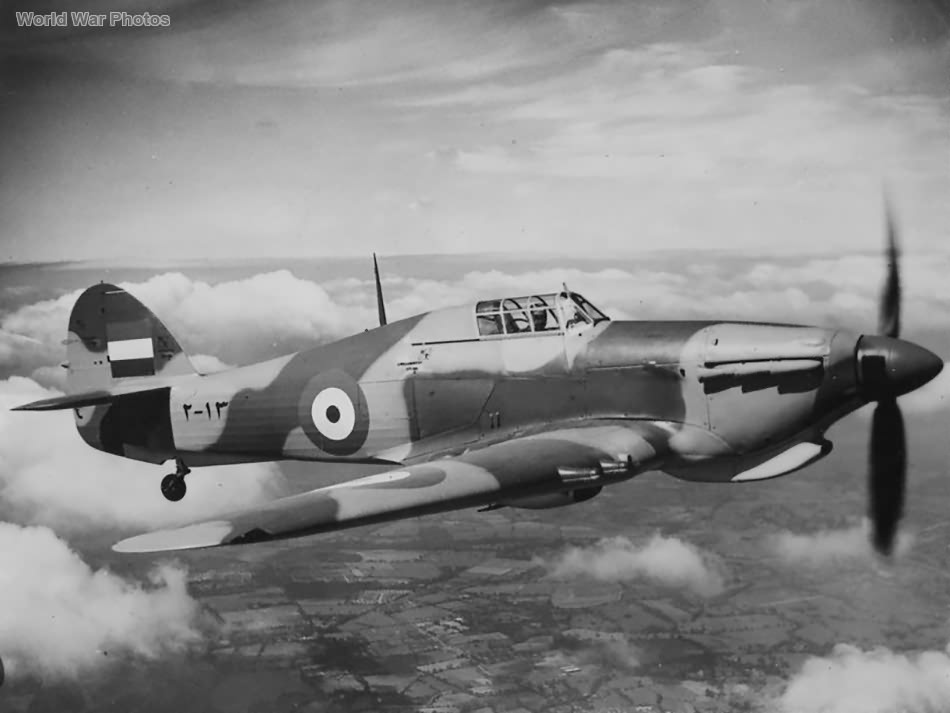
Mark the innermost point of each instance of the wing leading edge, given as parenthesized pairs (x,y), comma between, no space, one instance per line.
(531,465)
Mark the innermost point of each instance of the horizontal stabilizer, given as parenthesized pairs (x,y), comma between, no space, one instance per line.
(58,403)
(100,396)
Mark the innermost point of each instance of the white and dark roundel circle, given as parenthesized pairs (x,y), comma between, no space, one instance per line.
(333,413)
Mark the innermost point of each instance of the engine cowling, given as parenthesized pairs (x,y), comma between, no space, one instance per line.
(553,500)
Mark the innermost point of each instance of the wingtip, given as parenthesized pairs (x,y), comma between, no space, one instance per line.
(190,537)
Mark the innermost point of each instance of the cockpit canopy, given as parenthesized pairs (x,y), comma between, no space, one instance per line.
(550,313)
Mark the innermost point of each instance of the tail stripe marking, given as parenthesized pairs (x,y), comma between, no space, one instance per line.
(133,367)
(131,349)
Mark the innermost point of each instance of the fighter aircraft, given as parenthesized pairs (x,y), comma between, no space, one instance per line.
(535,400)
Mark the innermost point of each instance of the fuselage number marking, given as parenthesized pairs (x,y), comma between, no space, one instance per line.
(190,409)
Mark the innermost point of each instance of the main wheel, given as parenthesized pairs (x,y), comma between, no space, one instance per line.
(173,487)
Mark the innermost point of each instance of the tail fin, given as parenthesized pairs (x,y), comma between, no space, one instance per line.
(112,336)
(120,360)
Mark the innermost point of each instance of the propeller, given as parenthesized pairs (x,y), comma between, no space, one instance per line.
(887,468)
(887,368)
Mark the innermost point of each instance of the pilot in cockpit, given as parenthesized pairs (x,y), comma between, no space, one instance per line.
(540,319)
(539,314)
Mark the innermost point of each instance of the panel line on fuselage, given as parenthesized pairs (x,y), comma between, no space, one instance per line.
(444,341)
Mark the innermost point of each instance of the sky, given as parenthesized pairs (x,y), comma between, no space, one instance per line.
(300,128)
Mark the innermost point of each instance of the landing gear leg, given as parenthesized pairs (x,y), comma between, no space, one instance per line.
(173,484)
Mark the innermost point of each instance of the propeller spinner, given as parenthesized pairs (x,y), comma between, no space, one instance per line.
(888,367)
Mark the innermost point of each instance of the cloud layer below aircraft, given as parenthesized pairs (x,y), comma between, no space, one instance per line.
(870,681)
(832,547)
(60,618)
(665,560)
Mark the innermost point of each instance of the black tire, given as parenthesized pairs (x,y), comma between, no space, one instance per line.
(173,487)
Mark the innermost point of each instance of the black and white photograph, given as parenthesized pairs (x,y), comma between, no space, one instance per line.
(474,356)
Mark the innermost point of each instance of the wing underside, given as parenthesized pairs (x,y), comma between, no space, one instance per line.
(557,460)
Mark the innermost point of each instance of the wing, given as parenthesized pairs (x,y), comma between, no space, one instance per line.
(553,461)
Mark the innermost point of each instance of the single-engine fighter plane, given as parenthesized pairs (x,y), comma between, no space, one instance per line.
(534,400)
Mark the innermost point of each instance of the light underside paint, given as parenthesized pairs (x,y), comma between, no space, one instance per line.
(377,479)
(798,456)
(205,534)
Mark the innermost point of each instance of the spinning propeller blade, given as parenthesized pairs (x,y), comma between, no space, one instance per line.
(887,474)
(889,312)
(888,367)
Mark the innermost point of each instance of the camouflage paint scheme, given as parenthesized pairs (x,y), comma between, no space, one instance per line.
(539,419)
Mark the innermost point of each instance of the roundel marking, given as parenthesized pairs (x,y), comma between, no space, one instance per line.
(332,411)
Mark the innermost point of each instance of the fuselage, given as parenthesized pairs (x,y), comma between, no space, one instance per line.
(432,385)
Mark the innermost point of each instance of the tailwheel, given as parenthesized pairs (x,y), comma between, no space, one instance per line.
(173,487)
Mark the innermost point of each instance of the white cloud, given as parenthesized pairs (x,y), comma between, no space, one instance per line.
(18,354)
(852,680)
(48,475)
(664,109)
(267,306)
(697,146)
(243,320)
(666,560)
(60,618)
(832,548)
(208,364)
(50,377)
